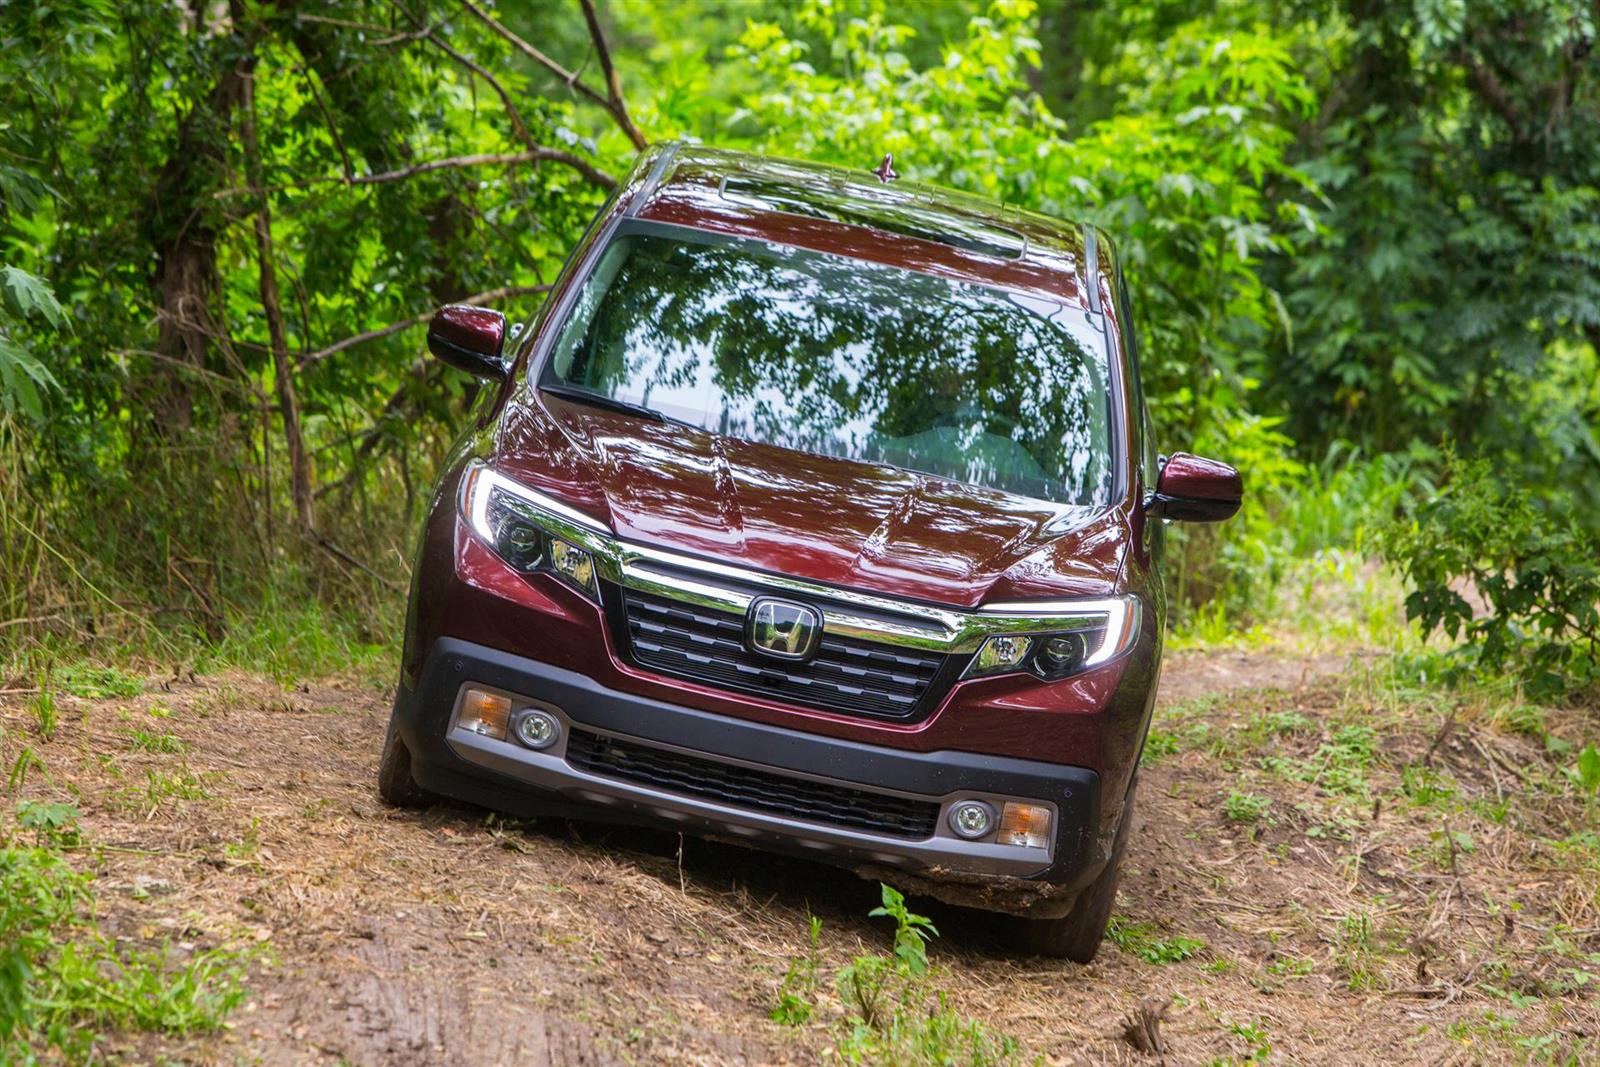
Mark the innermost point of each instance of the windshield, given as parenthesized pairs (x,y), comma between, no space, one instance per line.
(839,356)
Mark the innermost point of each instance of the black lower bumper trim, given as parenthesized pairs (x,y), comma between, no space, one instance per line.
(423,716)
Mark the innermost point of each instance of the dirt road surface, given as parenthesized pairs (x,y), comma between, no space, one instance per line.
(448,937)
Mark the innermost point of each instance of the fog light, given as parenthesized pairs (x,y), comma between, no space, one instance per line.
(485,713)
(1003,652)
(971,819)
(1025,824)
(537,729)
(573,562)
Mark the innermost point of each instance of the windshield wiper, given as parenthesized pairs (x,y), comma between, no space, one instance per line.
(600,400)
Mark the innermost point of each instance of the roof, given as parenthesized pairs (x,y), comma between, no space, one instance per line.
(835,209)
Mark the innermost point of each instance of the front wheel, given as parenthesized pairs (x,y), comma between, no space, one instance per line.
(395,784)
(1077,935)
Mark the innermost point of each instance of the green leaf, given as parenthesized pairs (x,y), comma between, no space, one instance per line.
(1589,768)
(27,293)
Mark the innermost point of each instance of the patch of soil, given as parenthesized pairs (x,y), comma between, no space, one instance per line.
(450,936)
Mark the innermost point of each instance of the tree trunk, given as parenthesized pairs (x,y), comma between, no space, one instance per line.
(182,227)
(282,365)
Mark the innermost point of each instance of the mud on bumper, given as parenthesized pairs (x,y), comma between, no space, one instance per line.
(625,758)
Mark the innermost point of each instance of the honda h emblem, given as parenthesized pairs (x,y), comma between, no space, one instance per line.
(782,629)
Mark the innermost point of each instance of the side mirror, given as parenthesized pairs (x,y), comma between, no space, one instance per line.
(470,339)
(1193,489)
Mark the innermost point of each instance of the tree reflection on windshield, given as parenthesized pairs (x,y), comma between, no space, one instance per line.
(846,358)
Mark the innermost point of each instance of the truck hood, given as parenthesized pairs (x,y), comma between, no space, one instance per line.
(836,521)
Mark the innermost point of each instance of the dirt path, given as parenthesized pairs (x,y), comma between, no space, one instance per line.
(447,937)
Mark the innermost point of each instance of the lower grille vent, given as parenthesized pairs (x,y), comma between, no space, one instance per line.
(757,790)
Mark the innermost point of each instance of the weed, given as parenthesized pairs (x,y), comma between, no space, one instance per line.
(1158,745)
(46,716)
(1142,939)
(181,784)
(52,823)
(247,845)
(142,741)
(1425,786)
(911,932)
(1355,951)
(62,981)
(1586,770)
(97,683)
(1254,1035)
(27,760)
(1338,766)
(892,1015)
(1245,807)
(797,994)
(1449,845)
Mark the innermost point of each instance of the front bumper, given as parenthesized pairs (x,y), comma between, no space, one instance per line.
(456,762)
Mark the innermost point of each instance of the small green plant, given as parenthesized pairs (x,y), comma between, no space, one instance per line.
(893,1017)
(97,683)
(797,995)
(911,932)
(1158,745)
(46,716)
(1425,786)
(181,784)
(1254,1035)
(52,823)
(27,760)
(1245,807)
(1585,771)
(1144,940)
(144,741)
(1355,951)
(1449,845)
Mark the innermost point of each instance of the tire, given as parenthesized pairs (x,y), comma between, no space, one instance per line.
(395,784)
(1077,935)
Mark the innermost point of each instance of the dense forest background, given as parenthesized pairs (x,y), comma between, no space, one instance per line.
(1363,239)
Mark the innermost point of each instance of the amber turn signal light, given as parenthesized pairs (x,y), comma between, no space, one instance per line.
(485,713)
(1024,824)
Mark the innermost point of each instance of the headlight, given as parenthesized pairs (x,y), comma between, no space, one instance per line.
(1070,637)
(523,529)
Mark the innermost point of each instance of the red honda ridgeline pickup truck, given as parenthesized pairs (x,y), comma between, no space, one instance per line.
(815,511)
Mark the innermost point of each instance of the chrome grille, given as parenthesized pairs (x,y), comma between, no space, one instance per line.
(846,674)
(751,788)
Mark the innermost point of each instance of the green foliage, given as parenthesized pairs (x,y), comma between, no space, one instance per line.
(1245,807)
(1534,568)
(45,714)
(144,741)
(893,1014)
(1144,940)
(62,982)
(911,932)
(1586,770)
(22,374)
(797,995)
(53,823)
(97,683)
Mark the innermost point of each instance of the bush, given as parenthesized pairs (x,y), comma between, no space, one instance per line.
(1533,565)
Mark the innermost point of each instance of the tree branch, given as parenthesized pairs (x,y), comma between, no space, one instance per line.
(519,127)
(1492,91)
(611,101)
(405,324)
(613,83)
(532,155)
